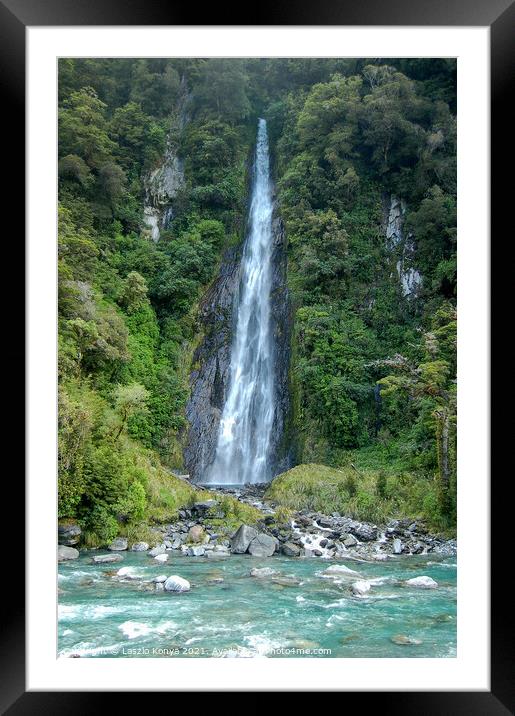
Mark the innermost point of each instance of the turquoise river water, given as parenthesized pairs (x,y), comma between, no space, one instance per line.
(312,615)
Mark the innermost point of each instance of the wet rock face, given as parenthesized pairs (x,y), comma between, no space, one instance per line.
(280,455)
(161,188)
(402,247)
(163,183)
(210,377)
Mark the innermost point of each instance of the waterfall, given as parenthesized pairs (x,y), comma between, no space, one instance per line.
(243,444)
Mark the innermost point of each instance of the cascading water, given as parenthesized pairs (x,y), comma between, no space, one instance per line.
(242,451)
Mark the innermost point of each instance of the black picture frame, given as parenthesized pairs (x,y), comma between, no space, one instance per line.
(499,15)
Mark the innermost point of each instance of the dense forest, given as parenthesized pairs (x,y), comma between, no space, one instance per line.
(373,353)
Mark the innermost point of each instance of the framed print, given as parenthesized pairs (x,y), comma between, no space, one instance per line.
(258,353)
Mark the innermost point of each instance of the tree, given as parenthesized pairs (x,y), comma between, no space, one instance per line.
(83,128)
(134,292)
(222,90)
(433,225)
(140,139)
(389,117)
(129,400)
(153,86)
(432,384)
(73,168)
(111,180)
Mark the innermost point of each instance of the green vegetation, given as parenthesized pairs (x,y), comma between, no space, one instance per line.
(127,307)
(345,135)
(230,513)
(343,146)
(364,494)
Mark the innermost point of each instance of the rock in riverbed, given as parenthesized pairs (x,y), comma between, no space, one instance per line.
(107,558)
(161,557)
(360,588)
(119,544)
(263,572)
(195,551)
(177,584)
(263,545)
(64,553)
(213,554)
(139,547)
(340,570)
(241,539)
(126,573)
(422,582)
(290,549)
(160,549)
(404,640)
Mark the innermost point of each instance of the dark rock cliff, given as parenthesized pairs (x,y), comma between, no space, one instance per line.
(211,360)
(210,377)
(281,450)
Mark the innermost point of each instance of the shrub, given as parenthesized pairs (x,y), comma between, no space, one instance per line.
(100,527)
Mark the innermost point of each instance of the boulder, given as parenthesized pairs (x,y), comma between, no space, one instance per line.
(350,541)
(241,539)
(64,553)
(204,505)
(213,554)
(68,533)
(303,521)
(196,534)
(340,570)
(160,578)
(139,547)
(159,587)
(286,581)
(107,558)
(404,640)
(397,546)
(161,557)
(263,545)
(160,549)
(360,588)
(325,521)
(119,544)
(126,573)
(364,532)
(422,582)
(177,584)
(290,550)
(263,572)
(196,551)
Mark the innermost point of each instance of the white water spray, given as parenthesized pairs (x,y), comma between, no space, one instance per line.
(242,452)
